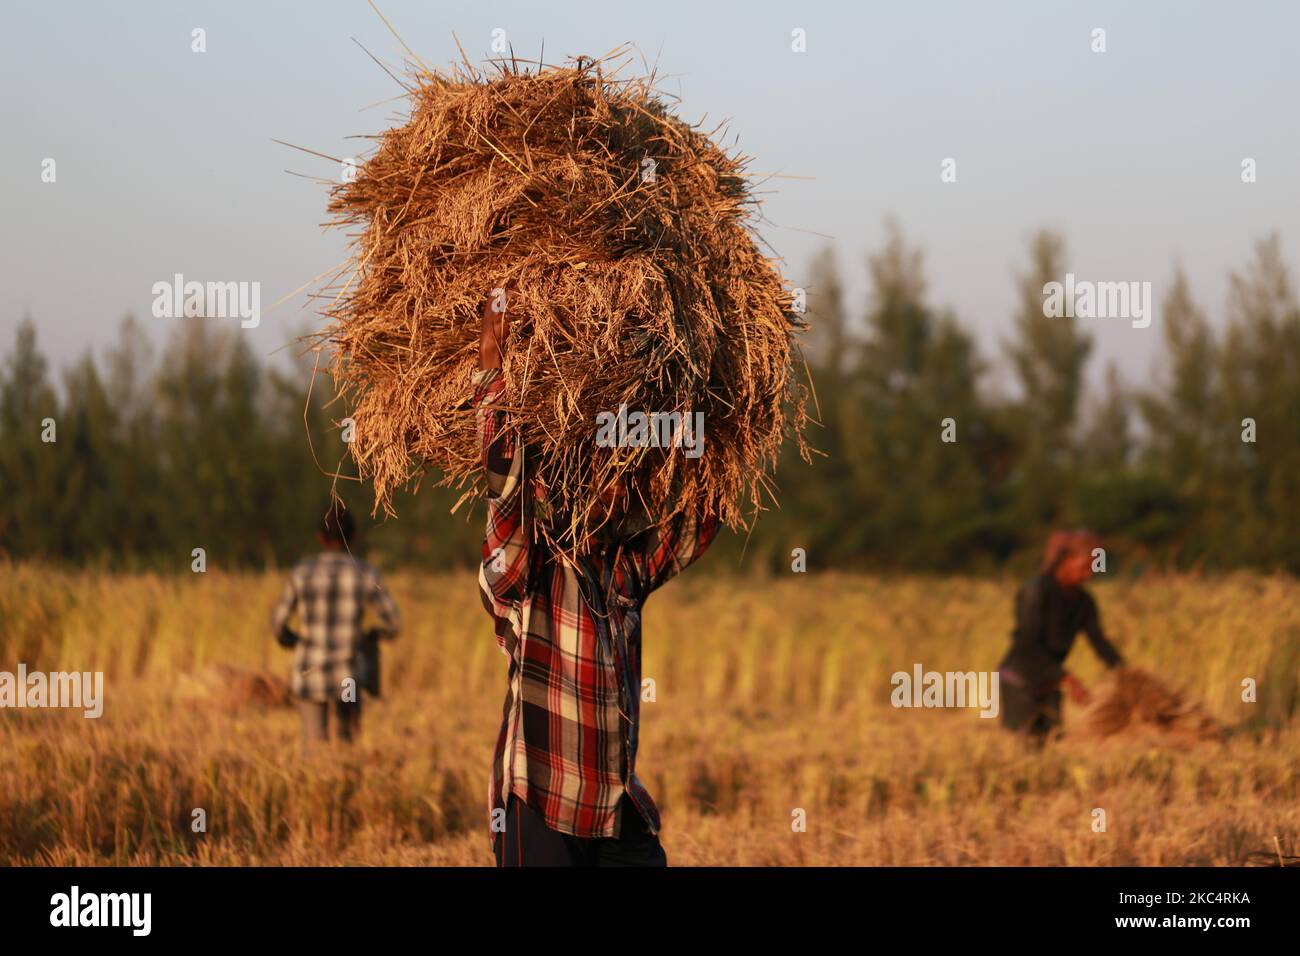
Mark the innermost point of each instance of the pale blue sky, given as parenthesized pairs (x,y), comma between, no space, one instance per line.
(166,162)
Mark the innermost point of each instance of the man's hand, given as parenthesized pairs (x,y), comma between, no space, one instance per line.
(496,327)
(1078,693)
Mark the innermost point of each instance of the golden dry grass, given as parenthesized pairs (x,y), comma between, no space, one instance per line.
(771,696)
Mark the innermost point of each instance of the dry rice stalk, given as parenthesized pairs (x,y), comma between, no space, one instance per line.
(1136,701)
(637,289)
(231,689)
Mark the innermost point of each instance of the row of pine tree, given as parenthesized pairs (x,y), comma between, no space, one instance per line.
(134,459)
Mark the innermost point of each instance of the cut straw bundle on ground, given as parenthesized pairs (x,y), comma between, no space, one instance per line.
(627,235)
(1135,701)
(232,689)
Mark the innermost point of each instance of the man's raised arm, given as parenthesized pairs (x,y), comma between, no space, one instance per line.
(504,571)
(669,550)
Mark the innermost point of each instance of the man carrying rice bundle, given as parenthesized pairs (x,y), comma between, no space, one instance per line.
(564,784)
(628,277)
(1051,609)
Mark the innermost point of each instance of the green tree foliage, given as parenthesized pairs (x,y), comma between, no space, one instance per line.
(30,471)
(1259,368)
(916,385)
(208,445)
(1049,354)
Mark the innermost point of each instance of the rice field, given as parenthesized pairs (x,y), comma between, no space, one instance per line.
(772,696)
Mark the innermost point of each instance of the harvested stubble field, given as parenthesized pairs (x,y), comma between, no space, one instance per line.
(771,695)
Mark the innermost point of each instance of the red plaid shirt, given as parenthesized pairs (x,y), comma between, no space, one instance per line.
(572,634)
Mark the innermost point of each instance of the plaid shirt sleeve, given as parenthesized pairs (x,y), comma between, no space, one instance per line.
(503,575)
(381,604)
(280,616)
(671,549)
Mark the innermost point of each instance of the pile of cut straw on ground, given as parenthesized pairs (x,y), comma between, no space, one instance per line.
(232,689)
(1137,701)
(628,236)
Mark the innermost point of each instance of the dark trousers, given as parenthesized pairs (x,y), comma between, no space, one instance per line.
(1036,714)
(315,720)
(528,841)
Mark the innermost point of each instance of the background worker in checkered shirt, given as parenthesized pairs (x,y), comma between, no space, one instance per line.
(333,612)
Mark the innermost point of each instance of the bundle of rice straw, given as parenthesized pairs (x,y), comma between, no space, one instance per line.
(1136,701)
(628,236)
